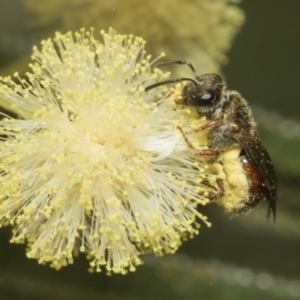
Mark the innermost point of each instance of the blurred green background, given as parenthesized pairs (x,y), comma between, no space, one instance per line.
(245,257)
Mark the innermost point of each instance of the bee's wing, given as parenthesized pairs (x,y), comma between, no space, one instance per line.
(259,156)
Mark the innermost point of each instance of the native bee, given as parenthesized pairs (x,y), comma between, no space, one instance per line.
(229,123)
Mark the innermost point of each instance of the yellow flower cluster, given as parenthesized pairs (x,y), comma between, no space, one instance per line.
(95,164)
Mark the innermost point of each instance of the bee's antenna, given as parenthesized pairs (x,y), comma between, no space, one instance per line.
(178,62)
(175,62)
(152,86)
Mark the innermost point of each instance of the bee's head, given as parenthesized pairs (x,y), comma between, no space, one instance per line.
(205,93)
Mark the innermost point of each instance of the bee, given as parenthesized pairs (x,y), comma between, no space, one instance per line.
(229,124)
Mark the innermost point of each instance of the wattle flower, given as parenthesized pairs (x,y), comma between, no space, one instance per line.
(95,164)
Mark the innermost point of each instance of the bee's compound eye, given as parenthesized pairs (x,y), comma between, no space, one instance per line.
(207,97)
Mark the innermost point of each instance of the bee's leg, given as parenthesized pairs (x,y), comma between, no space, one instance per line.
(179,101)
(221,191)
(206,153)
(214,196)
(211,124)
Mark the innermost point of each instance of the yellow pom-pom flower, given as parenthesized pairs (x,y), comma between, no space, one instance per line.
(95,164)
